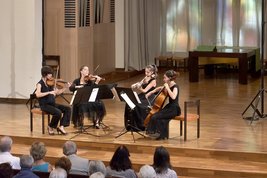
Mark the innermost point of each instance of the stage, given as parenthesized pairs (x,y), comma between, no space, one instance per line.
(229,146)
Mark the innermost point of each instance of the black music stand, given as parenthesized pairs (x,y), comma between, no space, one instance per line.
(129,125)
(91,94)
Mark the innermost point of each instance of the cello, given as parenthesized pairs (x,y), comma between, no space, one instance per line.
(158,103)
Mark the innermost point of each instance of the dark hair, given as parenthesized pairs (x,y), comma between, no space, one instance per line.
(120,160)
(6,170)
(81,68)
(171,74)
(63,163)
(161,159)
(46,70)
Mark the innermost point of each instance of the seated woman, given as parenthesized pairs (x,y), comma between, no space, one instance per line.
(159,121)
(147,84)
(162,164)
(120,165)
(38,152)
(96,110)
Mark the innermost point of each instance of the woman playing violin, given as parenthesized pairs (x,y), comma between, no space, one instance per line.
(158,124)
(96,109)
(46,95)
(147,84)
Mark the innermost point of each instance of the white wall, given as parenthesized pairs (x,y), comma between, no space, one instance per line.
(119,34)
(20,47)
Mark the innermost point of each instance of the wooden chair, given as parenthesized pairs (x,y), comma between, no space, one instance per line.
(36,110)
(180,60)
(186,116)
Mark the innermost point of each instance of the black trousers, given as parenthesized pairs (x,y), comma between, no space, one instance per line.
(56,111)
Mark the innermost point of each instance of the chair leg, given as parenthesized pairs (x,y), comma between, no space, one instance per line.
(198,128)
(31,120)
(43,127)
(181,128)
(185,129)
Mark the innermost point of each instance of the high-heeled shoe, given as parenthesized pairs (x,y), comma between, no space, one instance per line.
(61,131)
(50,131)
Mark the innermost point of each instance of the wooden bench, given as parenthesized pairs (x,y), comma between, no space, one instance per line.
(160,59)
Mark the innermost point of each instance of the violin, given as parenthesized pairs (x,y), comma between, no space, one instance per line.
(59,83)
(91,77)
(158,103)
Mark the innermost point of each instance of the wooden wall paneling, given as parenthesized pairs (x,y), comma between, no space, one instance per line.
(104,47)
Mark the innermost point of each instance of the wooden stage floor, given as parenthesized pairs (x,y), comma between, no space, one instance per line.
(223,101)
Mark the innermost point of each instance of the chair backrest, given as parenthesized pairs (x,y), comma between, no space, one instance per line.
(33,101)
(190,106)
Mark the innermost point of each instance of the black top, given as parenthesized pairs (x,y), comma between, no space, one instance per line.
(144,85)
(176,100)
(76,82)
(48,99)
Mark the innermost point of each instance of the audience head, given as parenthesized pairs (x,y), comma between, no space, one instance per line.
(97,175)
(147,171)
(171,74)
(161,159)
(69,148)
(153,69)
(5,144)
(63,163)
(6,170)
(26,161)
(46,70)
(120,160)
(58,173)
(38,150)
(97,166)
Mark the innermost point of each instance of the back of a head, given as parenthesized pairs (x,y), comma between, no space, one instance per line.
(26,161)
(38,150)
(161,159)
(5,144)
(69,148)
(58,173)
(120,160)
(97,166)
(147,171)
(97,175)
(6,170)
(63,163)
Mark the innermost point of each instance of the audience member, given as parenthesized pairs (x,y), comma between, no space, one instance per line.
(26,162)
(162,164)
(79,165)
(97,166)
(58,173)
(6,170)
(120,165)
(63,163)
(147,171)
(97,175)
(5,155)
(38,152)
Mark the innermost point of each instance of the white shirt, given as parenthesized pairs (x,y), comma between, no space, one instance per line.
(6,157)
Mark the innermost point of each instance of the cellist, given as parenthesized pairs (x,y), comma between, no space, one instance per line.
(158,124)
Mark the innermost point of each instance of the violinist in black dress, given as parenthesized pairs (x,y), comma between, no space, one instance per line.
(96,110)
(147,84)
(158,124)
(46,95)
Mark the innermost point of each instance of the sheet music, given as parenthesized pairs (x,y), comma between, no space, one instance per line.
(73,96)
(127,100)
(137,97)
(93,95)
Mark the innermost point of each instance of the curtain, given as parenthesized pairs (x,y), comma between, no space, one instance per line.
(142,33)
(190,23)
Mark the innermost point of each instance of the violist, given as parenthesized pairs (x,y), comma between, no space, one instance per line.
(158,124)
(96,110)
(46,95)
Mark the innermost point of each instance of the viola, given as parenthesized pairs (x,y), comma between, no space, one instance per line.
(158,103)
(59,83)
